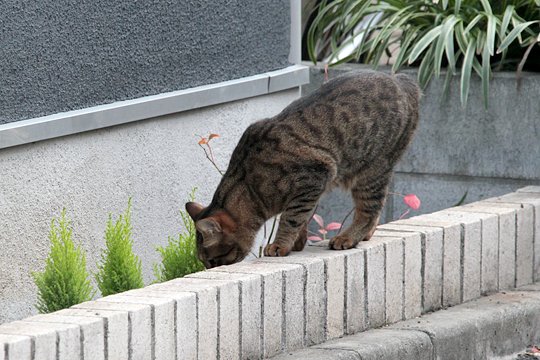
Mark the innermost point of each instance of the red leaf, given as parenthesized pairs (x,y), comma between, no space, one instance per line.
(412,201)
(323,231)
(203,141)
(314,238)
(333,226)
(319,220)
(211,136)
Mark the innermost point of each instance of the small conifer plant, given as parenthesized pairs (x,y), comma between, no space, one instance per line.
(179,257)
(119,269)
(64,282)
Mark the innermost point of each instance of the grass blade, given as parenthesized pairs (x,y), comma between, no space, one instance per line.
(491,30)
(457,7)
(514,34)
(473,22)
(403,49)
(450,52)
(466,72)
(508,12)
(487,7)
(424,42)
(486,70)
(425,70)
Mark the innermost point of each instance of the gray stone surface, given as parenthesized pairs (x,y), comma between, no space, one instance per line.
(272,300)
(412,273)
(530,196)
(432,262)
(320,354)
(334,263)
(524,241)
(163,328)
(375,259)
(71,341)
(490,327)
(489,272)
(60,56)
(493,327)
(15,347)
(208,310)
(385,344)
(116,336)
(250,287)
(530,189)
(44,338)
(94,173)
(186,318)
(140,325)
(315,293)
(355,299)
(507,240)
(394,277)
(88,335)
(471,248)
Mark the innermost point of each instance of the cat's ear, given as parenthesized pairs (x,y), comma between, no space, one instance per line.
(208,226)
(194,209)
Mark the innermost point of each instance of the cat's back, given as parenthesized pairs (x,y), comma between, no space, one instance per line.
(364,89)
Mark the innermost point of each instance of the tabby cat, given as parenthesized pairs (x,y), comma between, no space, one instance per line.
(349,133)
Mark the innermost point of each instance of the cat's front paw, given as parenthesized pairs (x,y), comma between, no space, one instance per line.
(342,242)
(275,249)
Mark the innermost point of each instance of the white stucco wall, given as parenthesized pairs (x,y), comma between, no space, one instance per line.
(156,161)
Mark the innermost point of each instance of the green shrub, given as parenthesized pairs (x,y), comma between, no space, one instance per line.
(473,36)
(120,268)
(64,282)
(179,257)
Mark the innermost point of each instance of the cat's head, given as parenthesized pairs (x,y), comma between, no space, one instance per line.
(218,240)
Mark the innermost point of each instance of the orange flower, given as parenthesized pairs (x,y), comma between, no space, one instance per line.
(203,141)
(211,136)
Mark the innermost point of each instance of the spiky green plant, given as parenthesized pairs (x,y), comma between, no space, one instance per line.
(469,35)
(119,269)
(179,257)
(64,282)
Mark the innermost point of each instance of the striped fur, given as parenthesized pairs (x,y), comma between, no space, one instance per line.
(349,133)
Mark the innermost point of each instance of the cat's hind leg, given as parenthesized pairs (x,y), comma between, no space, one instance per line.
(369,200)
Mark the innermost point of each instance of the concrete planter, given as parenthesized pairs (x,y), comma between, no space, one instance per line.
(271,306)
(484,152)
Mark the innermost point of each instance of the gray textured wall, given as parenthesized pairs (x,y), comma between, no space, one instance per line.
(483,152)
(156,161)
(59,55)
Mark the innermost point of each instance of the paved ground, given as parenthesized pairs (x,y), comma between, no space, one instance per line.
(499,326)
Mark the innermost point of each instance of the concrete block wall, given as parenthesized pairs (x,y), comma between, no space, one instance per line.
(270,306)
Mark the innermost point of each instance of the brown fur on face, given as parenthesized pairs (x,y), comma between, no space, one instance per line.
(216,237)
(349,133)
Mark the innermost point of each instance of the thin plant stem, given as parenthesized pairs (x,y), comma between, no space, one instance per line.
(404,214)
(344,219)
(210,159)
